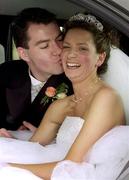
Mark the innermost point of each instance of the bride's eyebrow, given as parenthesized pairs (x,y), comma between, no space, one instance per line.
(82,44)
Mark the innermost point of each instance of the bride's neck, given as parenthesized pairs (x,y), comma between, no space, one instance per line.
(85,87)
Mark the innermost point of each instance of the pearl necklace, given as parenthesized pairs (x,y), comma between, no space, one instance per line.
(78,99)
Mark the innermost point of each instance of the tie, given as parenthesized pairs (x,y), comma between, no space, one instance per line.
(35,90)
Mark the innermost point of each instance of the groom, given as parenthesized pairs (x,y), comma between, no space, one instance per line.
(26,85)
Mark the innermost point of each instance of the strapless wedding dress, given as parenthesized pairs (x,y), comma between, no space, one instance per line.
(19,151)
(104,161)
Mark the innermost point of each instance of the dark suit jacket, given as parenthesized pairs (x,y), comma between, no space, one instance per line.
(15,95)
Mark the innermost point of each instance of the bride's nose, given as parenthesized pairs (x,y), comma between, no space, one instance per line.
(72,53)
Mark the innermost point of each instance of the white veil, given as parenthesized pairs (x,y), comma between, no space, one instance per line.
(117,76)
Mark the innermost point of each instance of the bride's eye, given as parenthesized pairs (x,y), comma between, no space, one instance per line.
(65,47)
(83,48)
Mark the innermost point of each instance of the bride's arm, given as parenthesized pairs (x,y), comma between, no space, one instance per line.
(52,120)
(45,133)
(41,170)
(106,112)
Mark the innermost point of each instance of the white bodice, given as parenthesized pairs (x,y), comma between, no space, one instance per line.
(69,130)
(67,133)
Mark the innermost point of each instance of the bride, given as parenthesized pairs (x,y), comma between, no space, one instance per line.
(79,135)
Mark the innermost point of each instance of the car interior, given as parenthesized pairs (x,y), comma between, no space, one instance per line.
(114,13)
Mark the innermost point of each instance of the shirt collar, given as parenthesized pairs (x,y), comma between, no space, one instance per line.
(34,81)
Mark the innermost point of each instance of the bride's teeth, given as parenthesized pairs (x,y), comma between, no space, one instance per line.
(73,65)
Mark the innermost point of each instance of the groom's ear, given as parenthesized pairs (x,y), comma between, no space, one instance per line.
(23,54)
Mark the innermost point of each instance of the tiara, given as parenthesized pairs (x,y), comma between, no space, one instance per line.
(87,18)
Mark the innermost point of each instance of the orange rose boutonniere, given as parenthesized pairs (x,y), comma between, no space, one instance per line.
(52,93)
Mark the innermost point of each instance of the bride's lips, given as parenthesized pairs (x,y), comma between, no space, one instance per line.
(72,65)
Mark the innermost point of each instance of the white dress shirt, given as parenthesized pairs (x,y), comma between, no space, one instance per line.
(36,86)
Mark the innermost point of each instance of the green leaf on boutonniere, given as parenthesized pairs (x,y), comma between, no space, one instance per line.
(52,93)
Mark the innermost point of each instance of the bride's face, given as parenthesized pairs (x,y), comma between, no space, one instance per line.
(79,54)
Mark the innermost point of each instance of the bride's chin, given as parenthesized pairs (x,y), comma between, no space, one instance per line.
(74,79)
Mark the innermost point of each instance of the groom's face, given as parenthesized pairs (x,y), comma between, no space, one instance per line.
(44,53)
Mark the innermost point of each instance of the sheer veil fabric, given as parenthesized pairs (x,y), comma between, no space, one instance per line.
(117,76)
